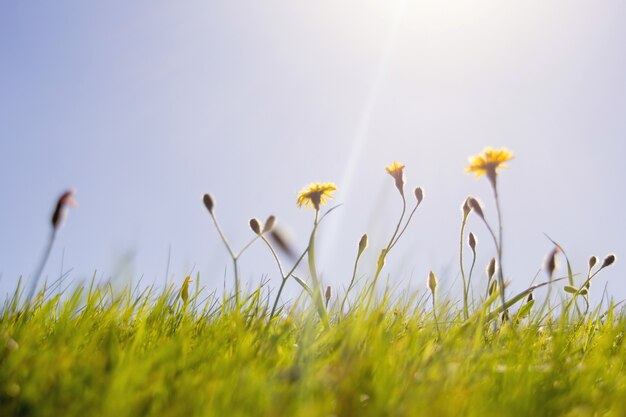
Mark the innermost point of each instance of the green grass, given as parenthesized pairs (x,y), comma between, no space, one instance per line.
(94,352)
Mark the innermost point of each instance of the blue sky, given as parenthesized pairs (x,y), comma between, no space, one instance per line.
(144,106)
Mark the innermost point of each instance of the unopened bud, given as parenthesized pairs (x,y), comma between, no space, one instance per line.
(328,294)
(550,265)
(475,205)
(381,260)
(269,224)
(362,244)
(493,287)
(419,195)
(255,226)
(64,201)
(491,268)
(608,261)
(208,202)
(432,281)
(466,208)
(472,242)
(593,261)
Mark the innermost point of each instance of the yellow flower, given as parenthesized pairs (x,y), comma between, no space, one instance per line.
(489,162)
(316,194)
(396,170)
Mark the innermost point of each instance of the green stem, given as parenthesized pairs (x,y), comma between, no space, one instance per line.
(461,244)
(317,299)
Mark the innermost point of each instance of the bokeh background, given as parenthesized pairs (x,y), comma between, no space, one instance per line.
(143,106)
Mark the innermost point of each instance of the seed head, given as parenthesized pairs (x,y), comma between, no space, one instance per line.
(208,202)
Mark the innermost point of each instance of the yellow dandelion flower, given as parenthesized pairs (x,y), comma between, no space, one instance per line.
(316,194)
(489,162)
(396,170)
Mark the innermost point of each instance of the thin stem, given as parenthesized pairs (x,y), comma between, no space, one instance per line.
(319,302)
(461,244)
(405,226)
(499,248)
(345,297)
(42,264)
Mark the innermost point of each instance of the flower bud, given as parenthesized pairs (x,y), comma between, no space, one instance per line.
(491,268)
(328,294)
(208,202)
(472,242)
(269,224)
(592,262)
(64,201)
(608,261)
(550,265)
(362,244)
(475,205)
(466,208)
(419,195)
(432,282)
(255,226)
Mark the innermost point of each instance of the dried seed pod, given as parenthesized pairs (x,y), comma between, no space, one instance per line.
(208,202)
(255,226)
(269,224)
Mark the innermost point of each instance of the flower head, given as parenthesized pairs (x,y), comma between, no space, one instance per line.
(396,170)
(489,163)
(316,194)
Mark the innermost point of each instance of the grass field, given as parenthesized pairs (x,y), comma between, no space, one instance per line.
(136,355)
(362,352)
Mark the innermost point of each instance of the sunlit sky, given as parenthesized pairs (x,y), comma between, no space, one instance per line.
(144,106)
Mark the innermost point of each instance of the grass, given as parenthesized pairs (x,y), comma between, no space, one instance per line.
(94,352)
(182,352)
